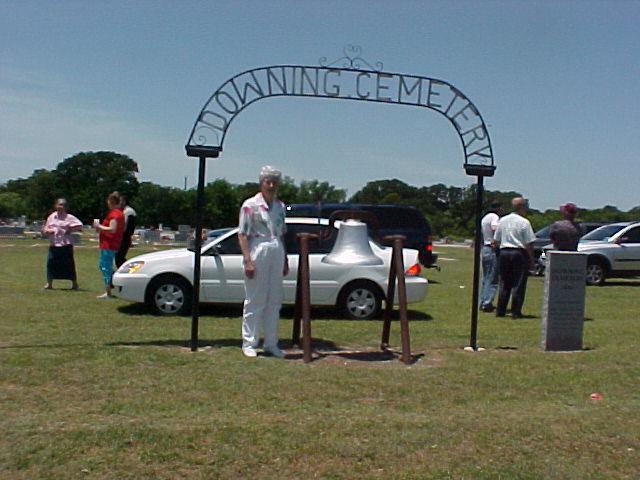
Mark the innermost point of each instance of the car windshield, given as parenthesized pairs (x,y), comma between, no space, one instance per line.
(603,233)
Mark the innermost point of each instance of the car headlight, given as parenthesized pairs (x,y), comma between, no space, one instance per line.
(131,267)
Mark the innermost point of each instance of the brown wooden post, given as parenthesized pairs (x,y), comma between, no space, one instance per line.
(396,272)
(303,297)
(388,308)
(402,299)
(297,312)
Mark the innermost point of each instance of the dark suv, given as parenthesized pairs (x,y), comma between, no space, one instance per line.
(392,220)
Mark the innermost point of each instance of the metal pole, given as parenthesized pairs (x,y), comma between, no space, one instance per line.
(476,265)
(195,302)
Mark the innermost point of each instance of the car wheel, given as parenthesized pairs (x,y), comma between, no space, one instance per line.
(170,295)
(595,272)
(360,300)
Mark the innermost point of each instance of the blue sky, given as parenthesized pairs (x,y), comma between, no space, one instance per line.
(556,82)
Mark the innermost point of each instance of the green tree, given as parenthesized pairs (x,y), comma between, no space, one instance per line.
(155,204)
(12,205)
(87,178)
(38,193)
(222,205)
(246,190)
(314,191)
(287,191)
(374,192)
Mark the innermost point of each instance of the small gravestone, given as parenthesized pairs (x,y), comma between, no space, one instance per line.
(180,237)
(563,301)
(152,236)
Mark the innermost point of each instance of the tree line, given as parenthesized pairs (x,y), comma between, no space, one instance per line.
(85,180)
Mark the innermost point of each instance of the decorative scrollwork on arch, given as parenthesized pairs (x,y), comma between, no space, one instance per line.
(203,136)
(352,59)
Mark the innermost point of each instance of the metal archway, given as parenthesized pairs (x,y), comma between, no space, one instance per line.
(347,78)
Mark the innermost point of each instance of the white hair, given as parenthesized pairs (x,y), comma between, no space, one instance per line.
(270,172)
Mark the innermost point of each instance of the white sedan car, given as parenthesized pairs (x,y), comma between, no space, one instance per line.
(164,279)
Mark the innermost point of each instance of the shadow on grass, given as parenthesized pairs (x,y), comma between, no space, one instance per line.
(319,343)
(355,356)
(287,312)
(47,345)
(322,349)
(621,283)
(183,343)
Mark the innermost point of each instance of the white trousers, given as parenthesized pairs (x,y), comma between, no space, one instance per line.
(263,293)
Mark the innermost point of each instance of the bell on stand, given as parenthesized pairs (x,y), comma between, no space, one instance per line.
(352,246)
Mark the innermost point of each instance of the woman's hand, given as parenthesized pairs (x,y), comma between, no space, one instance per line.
(249,269)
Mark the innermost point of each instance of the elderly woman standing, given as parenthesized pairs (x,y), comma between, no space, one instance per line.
(59,227)
(110,230)
(261,237)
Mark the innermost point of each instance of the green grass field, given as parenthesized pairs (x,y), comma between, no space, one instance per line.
(102,389)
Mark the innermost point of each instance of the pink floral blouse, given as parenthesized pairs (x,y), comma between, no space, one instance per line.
(58,228)
(258,220)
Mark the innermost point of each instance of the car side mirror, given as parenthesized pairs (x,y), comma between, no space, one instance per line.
(620,240)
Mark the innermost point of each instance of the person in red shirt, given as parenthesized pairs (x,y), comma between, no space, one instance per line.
(110,229)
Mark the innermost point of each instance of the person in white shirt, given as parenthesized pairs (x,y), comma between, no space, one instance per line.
(489,256)
(261,237)
(514,236)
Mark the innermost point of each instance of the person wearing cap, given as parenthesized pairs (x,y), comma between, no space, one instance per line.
(515,237)
(261,237)
(489,255)
(566,233)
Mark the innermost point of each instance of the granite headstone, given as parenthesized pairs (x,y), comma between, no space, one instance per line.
(563,301)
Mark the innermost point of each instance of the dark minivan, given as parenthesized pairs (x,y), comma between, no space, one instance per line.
(392,220)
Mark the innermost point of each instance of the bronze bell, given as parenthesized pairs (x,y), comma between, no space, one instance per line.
(352,246)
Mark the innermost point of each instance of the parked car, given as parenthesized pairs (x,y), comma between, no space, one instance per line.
(543,242)
(613,251)
(218,232)
(215,233)
(542,236)
(164,279)
(392,220)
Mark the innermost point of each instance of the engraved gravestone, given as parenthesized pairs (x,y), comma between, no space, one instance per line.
(563,301)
